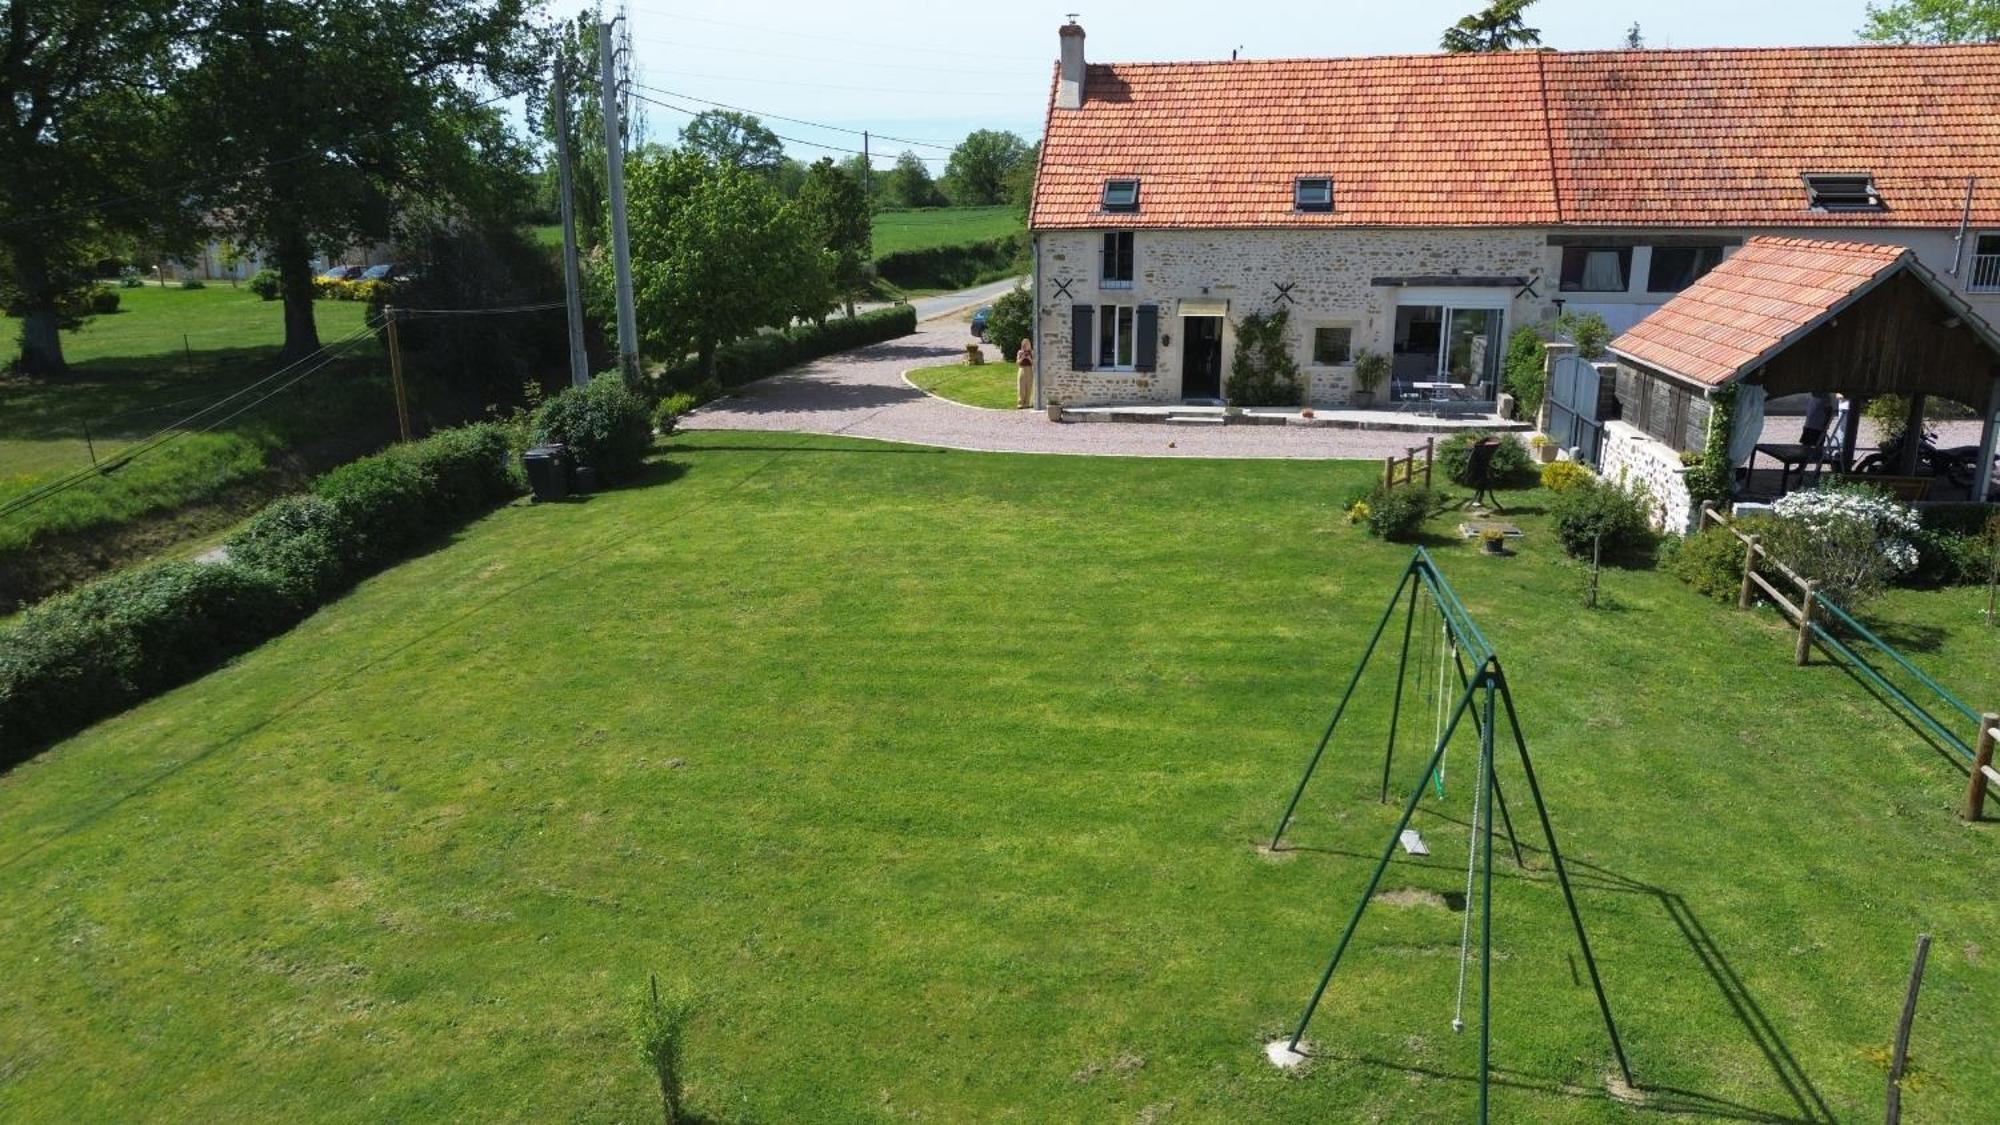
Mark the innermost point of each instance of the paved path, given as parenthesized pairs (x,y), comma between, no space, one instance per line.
(862,393)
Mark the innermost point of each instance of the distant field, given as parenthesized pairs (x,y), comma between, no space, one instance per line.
(942,226)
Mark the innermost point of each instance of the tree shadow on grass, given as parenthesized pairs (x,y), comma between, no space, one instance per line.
(1807,1106)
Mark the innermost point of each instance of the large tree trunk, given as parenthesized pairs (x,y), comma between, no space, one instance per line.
(296,278)
(705,354)
(41,323)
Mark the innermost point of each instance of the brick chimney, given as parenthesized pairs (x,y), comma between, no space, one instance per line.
(1069,91)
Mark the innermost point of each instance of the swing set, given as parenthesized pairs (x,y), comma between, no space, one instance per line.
(1453,659)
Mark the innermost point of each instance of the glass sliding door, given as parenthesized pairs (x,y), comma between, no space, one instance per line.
(1471,355)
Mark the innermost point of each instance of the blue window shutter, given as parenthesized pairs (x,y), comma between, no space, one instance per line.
(1082,342)
(1147,331)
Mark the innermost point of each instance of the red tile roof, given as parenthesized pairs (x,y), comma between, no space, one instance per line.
(1603,138)
(1758,300)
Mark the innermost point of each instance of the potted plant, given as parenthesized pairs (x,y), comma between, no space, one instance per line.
(1545,448)
(1055,410)
(1493,541)
(1370,368)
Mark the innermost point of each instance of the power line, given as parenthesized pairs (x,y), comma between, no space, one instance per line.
(781,136)
(797,120)
(675,17)
(872,63)
(932,92)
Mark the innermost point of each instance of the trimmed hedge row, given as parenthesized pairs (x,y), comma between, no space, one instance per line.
(78,658)
(754,357)
(950,267)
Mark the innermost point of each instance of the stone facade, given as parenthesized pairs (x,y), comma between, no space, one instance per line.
(1329,275)
(1627,453)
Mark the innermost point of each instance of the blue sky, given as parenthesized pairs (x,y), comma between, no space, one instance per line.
(934,71)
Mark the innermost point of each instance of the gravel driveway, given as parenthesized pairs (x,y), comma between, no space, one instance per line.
(862,393)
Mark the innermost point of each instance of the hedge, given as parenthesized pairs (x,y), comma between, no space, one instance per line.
(951,267)
(77,658)
(754,357)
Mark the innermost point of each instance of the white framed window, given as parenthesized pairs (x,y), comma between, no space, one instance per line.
(1985,275)
(1117,337)
(1115,261)
(1333,345)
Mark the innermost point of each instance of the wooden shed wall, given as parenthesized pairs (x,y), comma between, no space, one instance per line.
(1891,341)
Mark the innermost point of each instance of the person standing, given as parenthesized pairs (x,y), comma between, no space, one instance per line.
(1024,386)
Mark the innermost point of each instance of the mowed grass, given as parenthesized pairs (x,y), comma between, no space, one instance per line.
(942,226)
(991,385)
(167,353)
(939,776)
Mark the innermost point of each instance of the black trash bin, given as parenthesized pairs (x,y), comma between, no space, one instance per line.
(548,471)
(583,480)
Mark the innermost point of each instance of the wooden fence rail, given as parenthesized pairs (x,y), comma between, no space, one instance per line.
(1807,611)
(1406,466)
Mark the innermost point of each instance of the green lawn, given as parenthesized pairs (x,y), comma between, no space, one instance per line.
(942,226)
(991,384)
(166,353)
(939,774)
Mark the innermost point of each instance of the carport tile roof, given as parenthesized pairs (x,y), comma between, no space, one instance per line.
(1598,138)
(1756,300)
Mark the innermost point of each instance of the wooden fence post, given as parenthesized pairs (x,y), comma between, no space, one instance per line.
(1982,760)
(1803,655)
(1707,514)
(1743,599)
(1901,1054)
(1388,473)
(1430,454)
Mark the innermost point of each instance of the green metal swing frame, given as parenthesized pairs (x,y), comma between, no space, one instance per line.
(1484,694)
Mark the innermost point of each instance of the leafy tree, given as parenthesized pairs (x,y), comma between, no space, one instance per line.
(323,119)
(80,158)
(981,165)
(873,183)
(716,255)
(835,211)
(910,184)
(1933,21)
(1498,27)
(1634,38)
(723,136)
(1021,180)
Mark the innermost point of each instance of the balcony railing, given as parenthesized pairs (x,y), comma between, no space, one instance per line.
(1985,273)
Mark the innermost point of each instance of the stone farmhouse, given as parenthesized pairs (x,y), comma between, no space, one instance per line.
(1423,206)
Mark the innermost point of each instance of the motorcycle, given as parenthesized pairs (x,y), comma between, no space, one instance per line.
(1957,464)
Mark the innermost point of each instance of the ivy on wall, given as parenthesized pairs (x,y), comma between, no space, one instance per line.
(1713,477)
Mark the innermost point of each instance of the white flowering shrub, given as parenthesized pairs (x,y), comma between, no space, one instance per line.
(1849,541)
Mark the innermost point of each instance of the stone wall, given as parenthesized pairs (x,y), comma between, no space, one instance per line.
(1330,275)
(1628,454)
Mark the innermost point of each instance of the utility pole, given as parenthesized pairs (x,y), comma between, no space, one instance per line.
(579,363)
(396,376)
(867,174)
(621,248)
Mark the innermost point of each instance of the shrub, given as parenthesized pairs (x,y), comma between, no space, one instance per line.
(668,413)
(193,283)
(1588,331)
(1948,559)
(1263,372)
(1396,514)
(754,357)
(267,284)
(1512,467)
(104,300)
(1848,540)
(1011,321)
(1602,510)
(1526,379)
(1561,476)
(76,658)
(467,469)
(1711,560)
(604,424)
(130,279)
(298,542)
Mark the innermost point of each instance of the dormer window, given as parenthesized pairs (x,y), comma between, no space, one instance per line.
(1121,195)
(1841,191)
(1312,193)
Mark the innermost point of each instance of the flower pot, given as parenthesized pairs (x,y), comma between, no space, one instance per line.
(1493,546)
(1364,400)
(1545,454)
(1055,412)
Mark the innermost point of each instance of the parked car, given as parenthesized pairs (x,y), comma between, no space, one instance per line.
(387,271)
(979,320)
(342,273)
